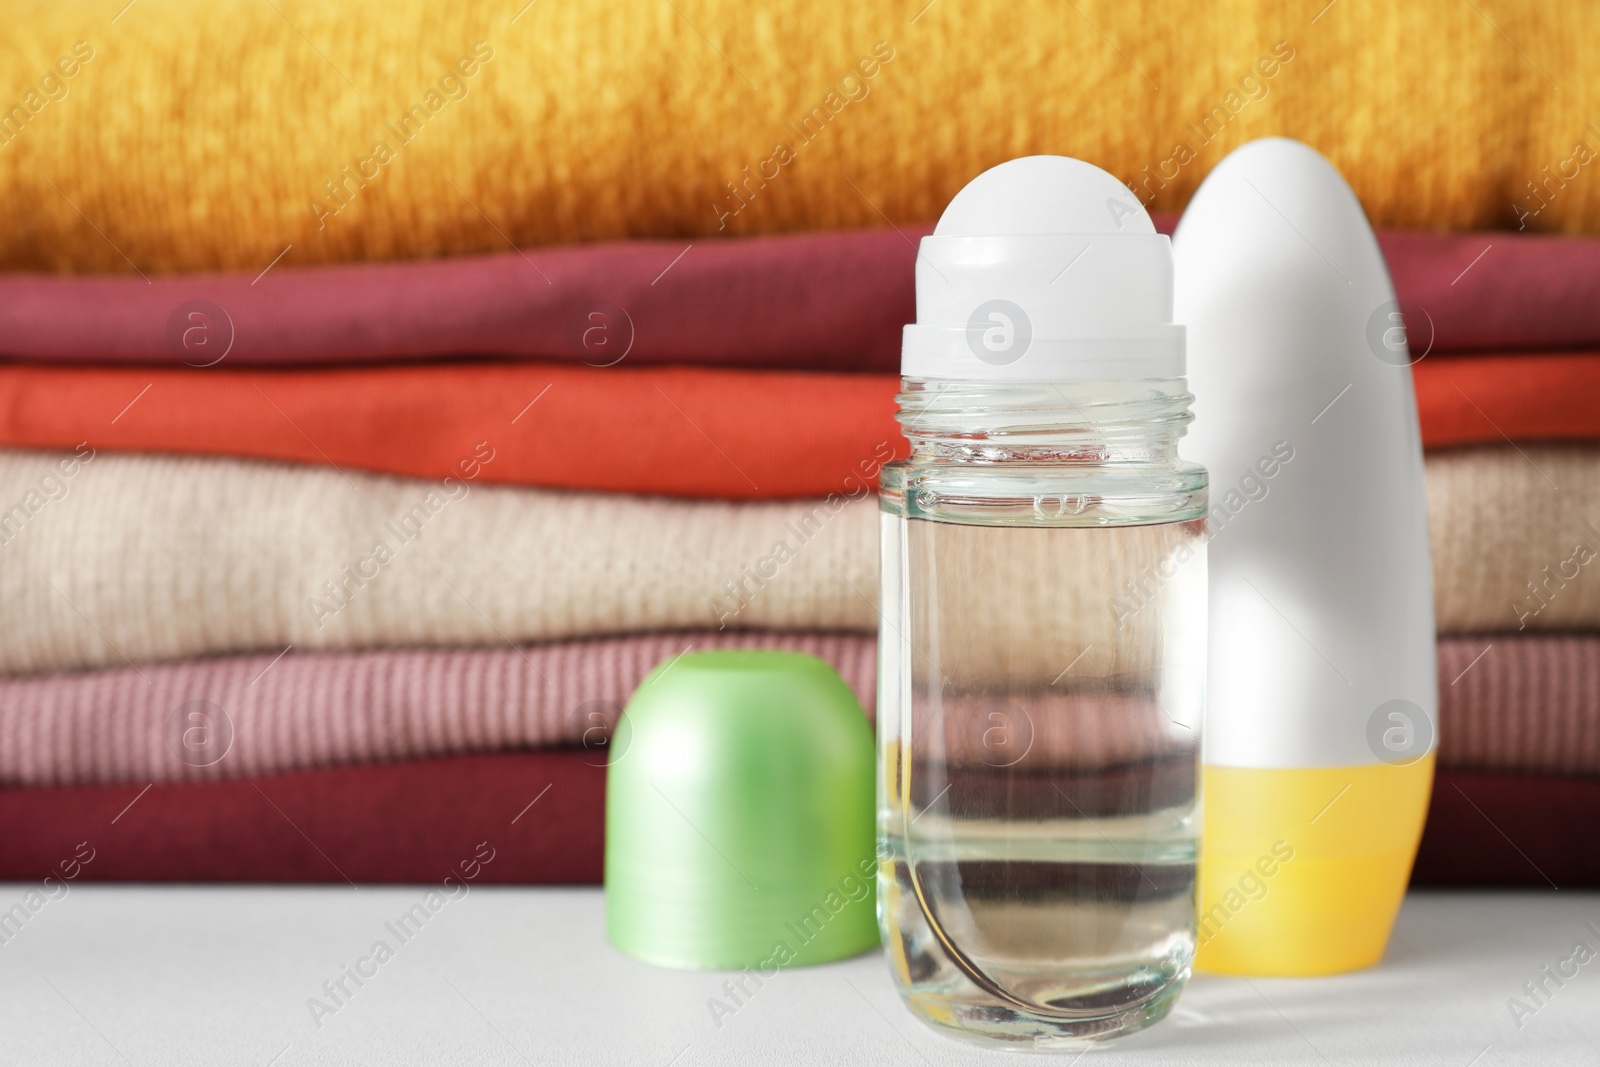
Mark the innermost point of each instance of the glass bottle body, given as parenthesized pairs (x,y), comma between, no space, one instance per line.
(1041,687)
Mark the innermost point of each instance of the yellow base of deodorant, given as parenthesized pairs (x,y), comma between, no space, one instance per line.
(1302,871)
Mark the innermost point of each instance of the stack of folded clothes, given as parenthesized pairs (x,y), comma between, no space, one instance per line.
(294,592)
(344,500)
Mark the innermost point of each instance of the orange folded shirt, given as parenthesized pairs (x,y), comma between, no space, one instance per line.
(1476,400)
(668,430)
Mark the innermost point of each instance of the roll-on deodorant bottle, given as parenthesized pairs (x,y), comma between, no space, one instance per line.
(1320,724)
(1043,640)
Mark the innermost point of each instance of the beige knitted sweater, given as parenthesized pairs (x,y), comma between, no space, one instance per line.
(131,559)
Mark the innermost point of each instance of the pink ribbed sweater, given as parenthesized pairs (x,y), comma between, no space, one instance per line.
(1507,703)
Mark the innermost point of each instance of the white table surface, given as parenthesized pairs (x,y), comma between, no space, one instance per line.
(221,975)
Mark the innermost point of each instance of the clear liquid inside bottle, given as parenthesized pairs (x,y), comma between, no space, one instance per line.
(1041,692)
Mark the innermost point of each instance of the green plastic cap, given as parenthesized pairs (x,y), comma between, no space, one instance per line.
(739,816)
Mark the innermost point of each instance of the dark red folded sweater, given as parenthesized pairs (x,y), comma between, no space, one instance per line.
(543,814)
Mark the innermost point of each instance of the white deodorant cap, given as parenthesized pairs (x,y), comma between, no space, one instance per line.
(1044,269)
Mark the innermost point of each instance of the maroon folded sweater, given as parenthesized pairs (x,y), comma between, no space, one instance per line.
(831,301)
(543,814)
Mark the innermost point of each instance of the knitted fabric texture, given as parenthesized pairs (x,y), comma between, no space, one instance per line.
(1515,543)
(1528,704)
(135,559)
(1519,702)
(409,821)
(543,813)
(249,715)
(194,136)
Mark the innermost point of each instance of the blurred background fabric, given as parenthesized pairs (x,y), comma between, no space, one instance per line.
(386,389)
(194,136)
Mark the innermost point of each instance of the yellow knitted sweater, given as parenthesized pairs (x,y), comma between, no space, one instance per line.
(192,134)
